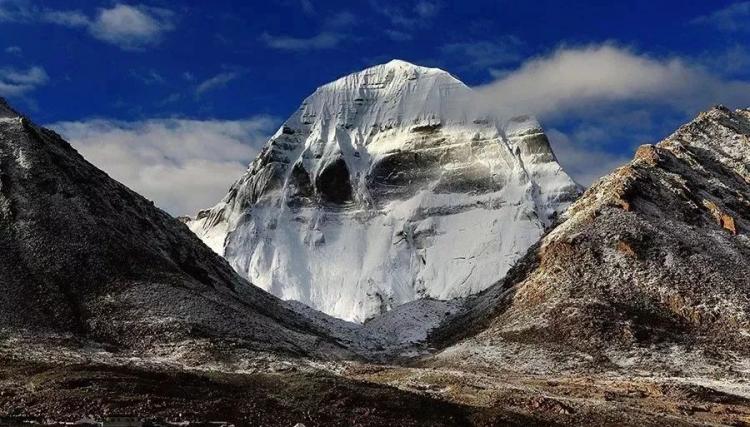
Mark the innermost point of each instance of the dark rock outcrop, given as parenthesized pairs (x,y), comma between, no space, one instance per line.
(333,183)
(82,255)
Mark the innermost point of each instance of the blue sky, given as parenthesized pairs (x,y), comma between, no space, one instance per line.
(161,94)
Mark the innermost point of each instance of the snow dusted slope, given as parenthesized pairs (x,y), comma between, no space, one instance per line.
(653,257)
(385,187)
(84,257)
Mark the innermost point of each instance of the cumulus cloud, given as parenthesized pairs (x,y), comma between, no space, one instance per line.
(600,102)
(324,40)
(17,82)
(733,18)
(578,79)
(183,165)
(131,27)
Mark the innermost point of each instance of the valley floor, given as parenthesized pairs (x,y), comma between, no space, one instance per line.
(568,399)
(287,392)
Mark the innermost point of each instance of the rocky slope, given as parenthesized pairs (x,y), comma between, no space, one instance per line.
(384,187)
(87,259)
(652,260)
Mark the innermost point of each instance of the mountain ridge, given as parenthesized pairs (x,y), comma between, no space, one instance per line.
(651,256)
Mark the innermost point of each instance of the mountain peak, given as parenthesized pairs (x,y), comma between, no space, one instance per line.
(396,70)
(6,111)
(400,64)
(394,95)
(356,204)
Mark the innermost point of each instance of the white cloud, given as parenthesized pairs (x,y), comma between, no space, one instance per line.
(131,27)
(183,165)
(600,102)
(574,80)
(32,76)
(324,40)
(66,18)
(15,82)
(14,11)
(126,26)
(733,18)
(333,30)
(215,82)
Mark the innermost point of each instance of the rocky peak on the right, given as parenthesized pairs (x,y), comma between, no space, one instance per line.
(699,176)
(655,254)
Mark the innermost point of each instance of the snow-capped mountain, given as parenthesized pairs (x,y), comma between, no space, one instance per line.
(386,186)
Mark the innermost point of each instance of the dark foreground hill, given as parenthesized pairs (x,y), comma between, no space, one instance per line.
(657,254)
(84,256)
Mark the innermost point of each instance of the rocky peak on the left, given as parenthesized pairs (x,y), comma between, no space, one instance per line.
(83,256)
(6,111)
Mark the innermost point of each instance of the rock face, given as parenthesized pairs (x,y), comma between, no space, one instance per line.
(82,255)
(384,188)
(655,254)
